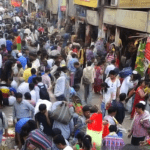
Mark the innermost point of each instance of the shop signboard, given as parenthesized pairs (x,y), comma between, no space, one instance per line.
(32,1)
(136,20)
(148,24)
(147,54)
(92,17)
(72,9)
(80,11)
(63,5)
(134,3)
(110,16)
(88,3)
(54,7)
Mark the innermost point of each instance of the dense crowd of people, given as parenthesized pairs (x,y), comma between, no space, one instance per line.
(42,75)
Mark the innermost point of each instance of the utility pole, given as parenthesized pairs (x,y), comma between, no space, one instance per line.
(59,14)
(101,14)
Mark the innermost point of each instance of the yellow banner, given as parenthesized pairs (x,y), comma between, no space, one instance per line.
(88,3)
(63,3)
(134,3)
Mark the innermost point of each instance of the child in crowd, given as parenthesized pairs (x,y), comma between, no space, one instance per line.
(110,118)
(113,141)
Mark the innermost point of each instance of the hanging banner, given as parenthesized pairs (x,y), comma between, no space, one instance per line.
(63,5)
(92,17)
(140,68)
(88,3)
(15,3)
(72,9)
(147,55)
(95,131)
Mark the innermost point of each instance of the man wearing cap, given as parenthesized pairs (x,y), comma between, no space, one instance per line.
(22,60)
(129,82)
(23,87)
(110,67)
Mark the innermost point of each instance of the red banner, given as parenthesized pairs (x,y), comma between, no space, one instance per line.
(15,3)
(147,49)
(63,8)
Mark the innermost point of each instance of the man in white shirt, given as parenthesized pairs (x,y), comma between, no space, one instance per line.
(50,62)
(27,31)
(114,84)
(23,87)
(16,19)
(2,40)
(128,83)
(13,83)
(2,8)
(55,67)
(110,67)
(34,60)
(88,80)
(62,88)
(32,92)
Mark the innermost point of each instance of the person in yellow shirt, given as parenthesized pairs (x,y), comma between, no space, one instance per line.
(27,72)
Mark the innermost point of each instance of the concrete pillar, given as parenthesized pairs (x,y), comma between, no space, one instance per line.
(101,33)
(108,33)
(117,36)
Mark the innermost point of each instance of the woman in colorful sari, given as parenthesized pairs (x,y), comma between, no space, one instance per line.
(139,96)
(98,77)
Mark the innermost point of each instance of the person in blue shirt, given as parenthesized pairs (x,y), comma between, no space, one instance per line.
(120,115)
(71,68)
(33,72)
(22,60)
(9,44)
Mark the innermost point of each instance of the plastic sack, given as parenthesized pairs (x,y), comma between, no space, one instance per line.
(129,105)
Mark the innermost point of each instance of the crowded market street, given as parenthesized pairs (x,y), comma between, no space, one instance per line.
(74,75)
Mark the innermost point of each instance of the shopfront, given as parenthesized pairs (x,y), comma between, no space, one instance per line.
(80,24)
(32,6)
(41,4)
(87,3)
(71,9)
(126,24)
(134,4)
(92,19)
(136,20)
(109,21)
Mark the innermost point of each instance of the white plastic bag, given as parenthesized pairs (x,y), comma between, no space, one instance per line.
(129,105)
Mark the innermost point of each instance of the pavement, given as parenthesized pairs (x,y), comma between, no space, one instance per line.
(96,100)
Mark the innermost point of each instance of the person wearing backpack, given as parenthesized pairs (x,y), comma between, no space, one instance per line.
(88,80)
(3,125)
(42,89)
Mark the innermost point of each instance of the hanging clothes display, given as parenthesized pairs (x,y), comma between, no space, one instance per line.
(139,64)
